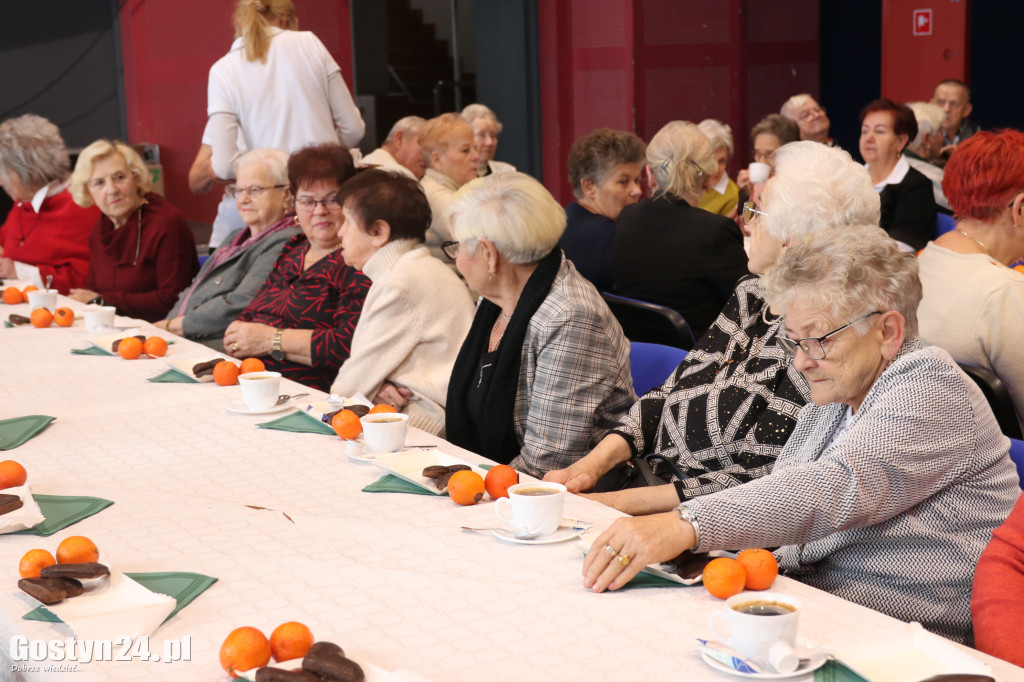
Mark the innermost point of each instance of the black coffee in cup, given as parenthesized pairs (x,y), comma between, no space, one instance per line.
(764,608)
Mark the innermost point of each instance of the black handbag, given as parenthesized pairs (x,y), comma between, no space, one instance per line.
(640,472)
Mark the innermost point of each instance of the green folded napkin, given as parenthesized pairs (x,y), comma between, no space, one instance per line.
(393,484)
(299,422)
(62,511)
(184,587)
(642,580)
(172,376)
(834,671)
(14,432)
(91,350)
(7,324)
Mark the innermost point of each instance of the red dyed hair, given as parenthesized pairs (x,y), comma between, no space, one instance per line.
(984,174)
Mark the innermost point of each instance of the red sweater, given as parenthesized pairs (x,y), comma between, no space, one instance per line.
(55,240)
(142,276)
(997,605)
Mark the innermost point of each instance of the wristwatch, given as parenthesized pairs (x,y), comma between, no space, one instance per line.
(686,514)
(277,352)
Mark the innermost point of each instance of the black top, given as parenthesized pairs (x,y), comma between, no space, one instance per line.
(908,210)
(679,256)
(587,242)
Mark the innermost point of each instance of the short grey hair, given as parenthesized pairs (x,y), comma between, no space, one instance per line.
(929,119)
(814,187)
(719,133)
(679,155)
(475,111)
(846,278)
(274,160)
(32,149)
(410,126)
(513,210)
(791,105)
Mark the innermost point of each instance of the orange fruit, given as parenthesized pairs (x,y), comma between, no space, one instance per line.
(13,296)
(34,561)
(244,649)
(377,409)
(466,488)
(760,566)
(155,347)
(290,640)
(77,549)
(346,424)
(498,479)
(130,348)
(41,317)
(252,365)
(12,474)
(64,317)
(30,287)
(225,373)
(724,577)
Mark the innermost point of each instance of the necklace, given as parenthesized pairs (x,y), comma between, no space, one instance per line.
(976,241)
(138,239)
(497,332)
(505,317)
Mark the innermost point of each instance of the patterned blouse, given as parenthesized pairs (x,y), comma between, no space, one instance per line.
(326,298)
(726,412)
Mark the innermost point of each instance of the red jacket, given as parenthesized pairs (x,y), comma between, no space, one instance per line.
(997,604)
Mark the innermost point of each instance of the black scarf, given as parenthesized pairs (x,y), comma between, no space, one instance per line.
(495,436)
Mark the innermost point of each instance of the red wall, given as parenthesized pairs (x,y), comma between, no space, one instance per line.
(913,64)
(168,48)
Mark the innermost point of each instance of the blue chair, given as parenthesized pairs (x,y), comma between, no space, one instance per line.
(1017,455)
(944,223)
(650,322)
(652,363)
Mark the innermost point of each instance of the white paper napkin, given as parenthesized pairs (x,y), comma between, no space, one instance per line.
(21,519)
(117,606)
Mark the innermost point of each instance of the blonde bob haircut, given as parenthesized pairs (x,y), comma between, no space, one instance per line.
(680,157)
(814,187)
(437,133)
(253,20)
(512,210)
(929,120)
(848,277)
(32,149)
(102,149)
(719,133)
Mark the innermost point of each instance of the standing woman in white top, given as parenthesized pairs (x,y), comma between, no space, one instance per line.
(486,129)
(280,86)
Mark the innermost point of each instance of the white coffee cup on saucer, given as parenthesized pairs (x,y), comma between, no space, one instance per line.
(761,626)
(759,172)
(385,431)
(43,298)
(535,508)
(98,317)
(260,389)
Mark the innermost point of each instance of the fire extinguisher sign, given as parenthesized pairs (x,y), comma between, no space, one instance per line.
(922,22)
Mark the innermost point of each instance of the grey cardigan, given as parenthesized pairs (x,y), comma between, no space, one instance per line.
(222,292)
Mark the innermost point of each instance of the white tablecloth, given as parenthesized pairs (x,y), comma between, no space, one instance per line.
(389,577)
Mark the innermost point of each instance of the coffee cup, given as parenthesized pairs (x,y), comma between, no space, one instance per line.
(385,431)
(43,298)
(533,508)
(761,626)
(759,172)
(98,317)
(260,389)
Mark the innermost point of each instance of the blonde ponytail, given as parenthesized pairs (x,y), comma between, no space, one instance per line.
(681,160)
(253,19)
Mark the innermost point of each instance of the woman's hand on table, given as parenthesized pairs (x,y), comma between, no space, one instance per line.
(248,339)
(576,477)
(634,542)
(173,325)
(7,268)
(637,501)
(82,295)
(390,394)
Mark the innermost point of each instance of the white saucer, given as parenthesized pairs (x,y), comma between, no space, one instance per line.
(238,407)
(804,649)
(560,535)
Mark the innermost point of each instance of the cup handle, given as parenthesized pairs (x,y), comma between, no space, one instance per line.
(719,614)
(500,504)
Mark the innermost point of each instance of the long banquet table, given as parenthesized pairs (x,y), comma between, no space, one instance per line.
(389,577)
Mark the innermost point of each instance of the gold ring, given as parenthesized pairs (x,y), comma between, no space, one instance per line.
(623,560)
(234,346)
(610,550)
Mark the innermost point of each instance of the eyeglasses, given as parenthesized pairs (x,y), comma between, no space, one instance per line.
(253,190)
(814,347)
(451,249)
(749,211)
(330,202)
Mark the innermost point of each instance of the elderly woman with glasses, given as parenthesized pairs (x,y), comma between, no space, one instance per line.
(544,372)
(231,277)
(738,366)
(301,321)
(895,477)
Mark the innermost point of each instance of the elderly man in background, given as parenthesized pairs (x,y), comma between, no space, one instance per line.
(927,147)
(809,117)
(400,151)
(955,99)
